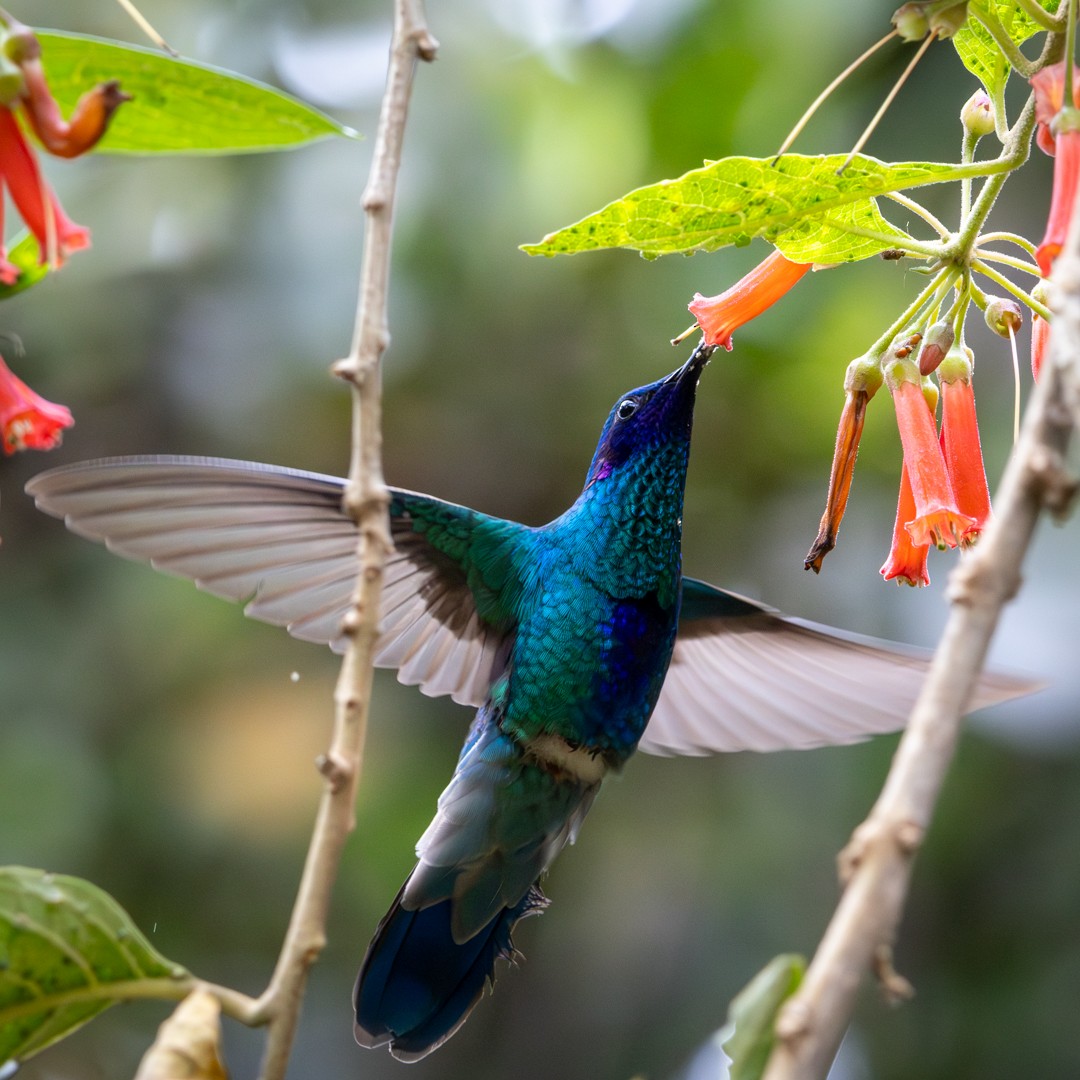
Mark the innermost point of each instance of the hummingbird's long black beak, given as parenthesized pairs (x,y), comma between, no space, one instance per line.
(693,367)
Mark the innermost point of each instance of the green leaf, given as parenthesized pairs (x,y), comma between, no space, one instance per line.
(798,204)
(68,951)
(25,255)
(179,107)
(748,1037)
(978,51)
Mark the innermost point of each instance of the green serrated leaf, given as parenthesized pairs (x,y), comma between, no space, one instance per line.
(748,1037)
(67,952)
(26,256)
(179,106)
(978,51)
(798,204)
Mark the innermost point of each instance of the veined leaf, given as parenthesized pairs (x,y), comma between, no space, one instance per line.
(25,256)
(799,204)
(67,952)
(179,106)
(978,51)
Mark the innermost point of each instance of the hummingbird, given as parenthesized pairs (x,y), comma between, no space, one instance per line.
(578,642)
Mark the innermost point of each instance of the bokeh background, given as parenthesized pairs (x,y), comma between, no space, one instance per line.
(154,741)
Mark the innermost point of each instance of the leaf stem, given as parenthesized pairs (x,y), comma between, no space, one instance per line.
(917,208)
(1010,238)
(366,499)
(1026,298)
(1022,65)
(1007,260)
(1037,13)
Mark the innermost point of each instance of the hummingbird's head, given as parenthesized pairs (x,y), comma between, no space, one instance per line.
(653,418)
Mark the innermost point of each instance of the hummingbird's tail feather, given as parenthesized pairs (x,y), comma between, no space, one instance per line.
(417,985)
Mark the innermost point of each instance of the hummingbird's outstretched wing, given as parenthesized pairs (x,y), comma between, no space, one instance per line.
(745,677)
(278,540)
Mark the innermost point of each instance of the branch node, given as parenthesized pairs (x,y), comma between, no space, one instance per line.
(855,850)
(794,1021)
(427,47)
(345,369)
(909,837)
(335,770)
(895,988)
(1056,484)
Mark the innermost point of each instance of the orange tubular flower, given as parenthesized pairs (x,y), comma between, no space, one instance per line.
(720,316)
(1058,134)
(27,420)
(906,564)
(960,442)
(862,381)
(937,519)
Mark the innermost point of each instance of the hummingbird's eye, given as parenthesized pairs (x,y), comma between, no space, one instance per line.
(626,408)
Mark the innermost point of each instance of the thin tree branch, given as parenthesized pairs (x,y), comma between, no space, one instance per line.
(876,864)
(366,499)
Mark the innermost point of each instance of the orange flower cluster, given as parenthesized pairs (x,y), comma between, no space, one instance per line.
(944,499)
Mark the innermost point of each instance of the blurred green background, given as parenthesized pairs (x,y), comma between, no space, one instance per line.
(154,741)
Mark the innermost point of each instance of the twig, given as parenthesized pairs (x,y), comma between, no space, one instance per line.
(366,499)
(876,865)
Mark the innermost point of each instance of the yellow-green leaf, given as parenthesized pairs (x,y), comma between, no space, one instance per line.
(179,106)
(25,255)
(798,203)
(977,49)
(68,951)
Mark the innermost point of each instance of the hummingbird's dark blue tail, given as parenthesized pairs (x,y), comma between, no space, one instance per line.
(417,985)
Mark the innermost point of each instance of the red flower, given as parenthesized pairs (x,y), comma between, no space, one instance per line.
(906,564)
(1062,197)
(862,381)
(937,519)
(1049,87)
(719,316)
(57,235)
(960,442)
(1058,134)
(27,420)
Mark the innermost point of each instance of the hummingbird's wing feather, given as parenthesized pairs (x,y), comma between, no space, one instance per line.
(278,540)
(745,677)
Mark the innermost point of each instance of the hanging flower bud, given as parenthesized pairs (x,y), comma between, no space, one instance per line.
(1004,317)
(947,21)
(862,381)
(720,316)
(960,443)
(977,115)
(911,22)
(906,564)
(939,340)
(937,519)
(27,420)
(1040,330)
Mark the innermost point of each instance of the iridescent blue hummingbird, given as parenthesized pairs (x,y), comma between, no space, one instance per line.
(578,642)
